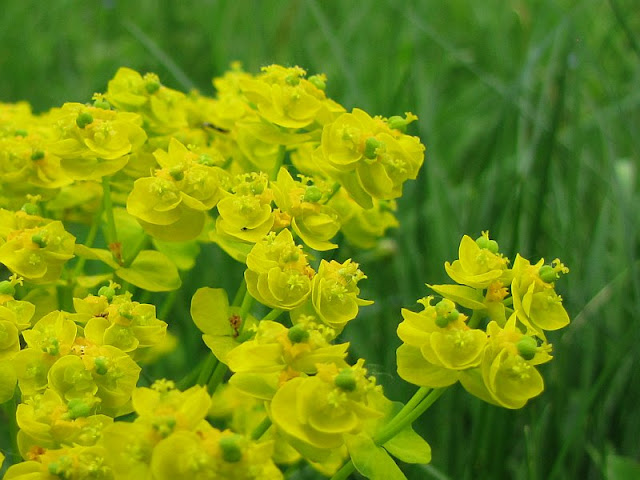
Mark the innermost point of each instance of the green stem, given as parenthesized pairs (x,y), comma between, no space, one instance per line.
(394,428)
(207,369)
(413,402)
(88,242)
(167,305)
(192,377)
(474,321)
(144,241)
(216,377)
(334,189)
(242,290)
(279,162)
(273,314)
(420,402)
(261,429)
(111,234)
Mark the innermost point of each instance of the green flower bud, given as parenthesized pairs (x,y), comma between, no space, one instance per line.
(312,194)
(371,145)
(318,82)
(345,380)
(21,133)
(31,209)
(107,292)
(39,240)
(230,448)
(547,274)
(37,155)
(177,173)
(78,408)
(101,365)
(527,347)
(83,119)
(397,123)
(298,334)
(7,288)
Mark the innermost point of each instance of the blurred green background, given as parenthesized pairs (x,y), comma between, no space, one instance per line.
(530,113)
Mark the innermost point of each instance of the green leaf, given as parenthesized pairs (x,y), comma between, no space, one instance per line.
(370,460)
(466,296)
(183,254)
(409,447)
(100,254)
(152,271)
(210,311)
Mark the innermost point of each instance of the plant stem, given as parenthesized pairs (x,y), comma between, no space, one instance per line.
(273,314)
(416,406)
(261,429)
(111,234)
(394,428)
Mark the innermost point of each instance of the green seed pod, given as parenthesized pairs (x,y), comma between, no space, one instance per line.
(444,307)
(101,103)
(298,334)
(527,347)
(107,292)
(547,274)
(318,82)
(453,315)
(312,194)
(37,155)
(31,209)
(83,119)
(39,240)
(78,408)
(442,321)
(230,448)
(345,380)
(371,145)
(152,86)
(101,365)
(397,123)
(177,173)
(7,288)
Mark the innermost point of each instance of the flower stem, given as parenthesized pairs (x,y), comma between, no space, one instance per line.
(273,314)
(261,429)
(416,406)
(111,234)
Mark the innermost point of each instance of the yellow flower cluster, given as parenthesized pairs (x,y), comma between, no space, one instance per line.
(494,352)
(276,174)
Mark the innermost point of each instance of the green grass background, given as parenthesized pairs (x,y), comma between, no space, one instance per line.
(530,113)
